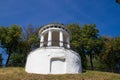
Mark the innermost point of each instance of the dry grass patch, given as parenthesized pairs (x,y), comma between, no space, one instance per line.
(13,73)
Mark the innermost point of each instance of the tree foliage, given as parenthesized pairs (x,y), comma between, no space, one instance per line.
(91,41)
(30,37)
(110,55)
(18,42)
(9,38)
(85,40)
(76,43)
(118,1)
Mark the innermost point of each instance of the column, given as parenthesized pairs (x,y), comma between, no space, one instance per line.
(68,42)
(61,39)
(49,38)
(42,41)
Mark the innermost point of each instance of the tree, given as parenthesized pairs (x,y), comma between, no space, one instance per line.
(17,59)
(9,38)
(28,41)
(30,38)
(85,40)
(111,53)
(91,41)
(76,43)
(117,59)
(18,42)
(118,1)
(0,59)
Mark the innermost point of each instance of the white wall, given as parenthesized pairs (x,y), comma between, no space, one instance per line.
(53,61)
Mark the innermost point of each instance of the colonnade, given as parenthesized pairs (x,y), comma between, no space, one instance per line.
(61,40)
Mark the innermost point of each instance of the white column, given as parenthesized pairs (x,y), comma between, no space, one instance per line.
(68,42)
(49,38)
(42,41)
(61,39)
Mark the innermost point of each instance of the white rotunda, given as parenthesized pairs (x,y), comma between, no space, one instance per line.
(54,55)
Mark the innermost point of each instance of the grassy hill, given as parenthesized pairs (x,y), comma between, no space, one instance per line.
(13,73)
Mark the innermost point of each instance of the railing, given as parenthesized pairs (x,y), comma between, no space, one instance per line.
(54,43)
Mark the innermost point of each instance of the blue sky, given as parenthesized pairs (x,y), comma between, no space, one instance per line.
(104,13)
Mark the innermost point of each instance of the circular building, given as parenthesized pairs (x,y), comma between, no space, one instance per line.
(54,55)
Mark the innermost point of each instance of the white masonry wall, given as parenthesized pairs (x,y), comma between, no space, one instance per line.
(53,60)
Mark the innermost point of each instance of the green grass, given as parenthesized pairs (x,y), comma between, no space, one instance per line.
(13,73)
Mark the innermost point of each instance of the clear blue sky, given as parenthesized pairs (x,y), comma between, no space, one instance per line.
(104,13)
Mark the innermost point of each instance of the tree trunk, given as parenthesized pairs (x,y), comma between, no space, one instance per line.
(91,62)
(8,60)
(9,54)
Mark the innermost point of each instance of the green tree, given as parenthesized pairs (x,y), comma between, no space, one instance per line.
(29,41)
(110,56)
(9,38)
(17,59)
(91,42)
(18,42)
(76,43)
(30,38)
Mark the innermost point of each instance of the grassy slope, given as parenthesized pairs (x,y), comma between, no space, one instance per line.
(20,74)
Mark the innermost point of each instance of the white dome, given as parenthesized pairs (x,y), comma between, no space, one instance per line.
(53,60)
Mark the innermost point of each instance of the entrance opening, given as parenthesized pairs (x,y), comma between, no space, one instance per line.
(57,66)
